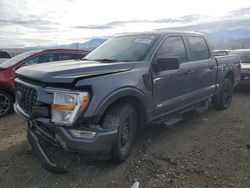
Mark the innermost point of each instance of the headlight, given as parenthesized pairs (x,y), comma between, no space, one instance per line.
(67,106)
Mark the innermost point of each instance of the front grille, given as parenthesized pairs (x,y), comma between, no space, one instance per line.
(26,97)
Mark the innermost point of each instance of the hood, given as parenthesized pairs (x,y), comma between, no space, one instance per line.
(245,65)
(68,71)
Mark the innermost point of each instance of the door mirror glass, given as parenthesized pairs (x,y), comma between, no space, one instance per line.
(168,63)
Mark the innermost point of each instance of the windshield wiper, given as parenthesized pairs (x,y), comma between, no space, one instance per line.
(106,60)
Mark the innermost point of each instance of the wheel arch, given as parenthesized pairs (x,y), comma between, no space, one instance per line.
(230,75)
(128,95)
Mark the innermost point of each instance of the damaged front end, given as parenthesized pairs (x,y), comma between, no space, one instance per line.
(87,138)
(44,111)
(37,147)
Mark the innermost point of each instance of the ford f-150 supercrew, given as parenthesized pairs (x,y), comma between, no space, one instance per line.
(129,81)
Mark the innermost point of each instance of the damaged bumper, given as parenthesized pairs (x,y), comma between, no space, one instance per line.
(40,152)
(101,142)
(83,135)
(41,131)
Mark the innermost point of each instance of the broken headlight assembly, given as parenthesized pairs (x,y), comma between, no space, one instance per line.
(67,106)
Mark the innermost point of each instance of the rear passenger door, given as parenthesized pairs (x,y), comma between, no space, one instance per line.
(202,66)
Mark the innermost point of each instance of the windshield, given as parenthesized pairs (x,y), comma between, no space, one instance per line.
(124,48)
(244,56)
(15,59)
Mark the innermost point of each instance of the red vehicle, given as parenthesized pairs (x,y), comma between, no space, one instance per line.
(8,68)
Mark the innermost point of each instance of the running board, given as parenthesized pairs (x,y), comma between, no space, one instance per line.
(201,107)
(171,120)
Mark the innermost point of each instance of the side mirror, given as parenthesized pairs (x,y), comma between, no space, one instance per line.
(168,63)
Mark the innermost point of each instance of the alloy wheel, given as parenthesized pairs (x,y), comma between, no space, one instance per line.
(4,104)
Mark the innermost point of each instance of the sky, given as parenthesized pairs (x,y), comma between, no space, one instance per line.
(26,23)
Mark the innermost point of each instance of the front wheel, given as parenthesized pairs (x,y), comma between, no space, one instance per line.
(122,117)
(6,103)
(223,100)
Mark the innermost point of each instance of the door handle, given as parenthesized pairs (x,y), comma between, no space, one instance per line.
(212,68)
(189,72)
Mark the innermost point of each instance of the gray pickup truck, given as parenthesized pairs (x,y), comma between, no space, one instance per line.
(96,106)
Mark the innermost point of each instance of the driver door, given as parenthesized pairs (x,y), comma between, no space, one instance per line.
(171,87)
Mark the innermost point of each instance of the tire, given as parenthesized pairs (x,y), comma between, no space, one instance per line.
(122,117)
(6,103)
(224,99)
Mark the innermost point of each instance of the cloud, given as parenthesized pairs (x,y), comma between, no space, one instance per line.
(239,18)
(213,26)
(94,27)
(196,21)
(32,22)
(115,24)
(240,12)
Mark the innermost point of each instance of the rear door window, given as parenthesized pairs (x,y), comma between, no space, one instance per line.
(198,48)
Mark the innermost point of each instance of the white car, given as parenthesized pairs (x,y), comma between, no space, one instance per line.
(3,59)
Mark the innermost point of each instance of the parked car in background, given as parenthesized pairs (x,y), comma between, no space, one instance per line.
(8,68)
(128,81)
(4,56)
(221,52)
(244,55)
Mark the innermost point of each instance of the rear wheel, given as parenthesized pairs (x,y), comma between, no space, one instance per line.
(224,99)
(6,103)
(122,117)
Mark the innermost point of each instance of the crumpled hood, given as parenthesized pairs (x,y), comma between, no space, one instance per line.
(68,71)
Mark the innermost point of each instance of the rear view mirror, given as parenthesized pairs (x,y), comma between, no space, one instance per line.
(169,63)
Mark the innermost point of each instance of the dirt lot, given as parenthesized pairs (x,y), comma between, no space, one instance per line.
(204,150)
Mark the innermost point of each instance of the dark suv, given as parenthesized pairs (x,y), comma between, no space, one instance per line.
(8,68)
(96,106)
(4,56)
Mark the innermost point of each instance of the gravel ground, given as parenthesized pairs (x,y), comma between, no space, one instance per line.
(204,150)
